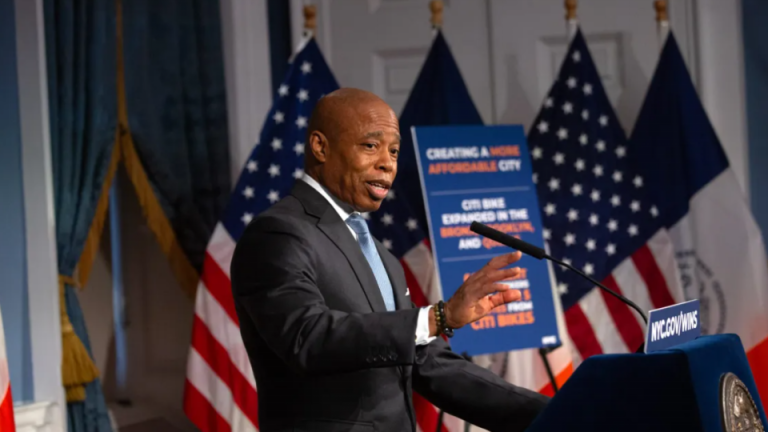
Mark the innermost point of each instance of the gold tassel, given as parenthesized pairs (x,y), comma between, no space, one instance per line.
(77,368)
(158,222)
(93,241)
(75,394)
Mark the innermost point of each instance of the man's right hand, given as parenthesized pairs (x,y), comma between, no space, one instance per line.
(473,299)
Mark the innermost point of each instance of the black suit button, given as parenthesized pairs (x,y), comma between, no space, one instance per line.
(368,359)
(393,357)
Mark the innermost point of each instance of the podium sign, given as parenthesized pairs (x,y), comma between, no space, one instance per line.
(672,325)
(483,173)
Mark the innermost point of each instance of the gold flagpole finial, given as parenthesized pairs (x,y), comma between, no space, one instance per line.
(661,10)
(662,21)
(436,7)
(310,17)
(570,9)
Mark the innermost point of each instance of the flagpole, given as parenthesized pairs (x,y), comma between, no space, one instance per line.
(310,20)
(436,20)
(436,8)
(436,16)
(571,26)
(662,21)
(310,24)
(571,23)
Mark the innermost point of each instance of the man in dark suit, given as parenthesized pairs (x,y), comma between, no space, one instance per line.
(335,343)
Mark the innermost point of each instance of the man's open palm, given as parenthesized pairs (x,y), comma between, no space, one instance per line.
(482,292)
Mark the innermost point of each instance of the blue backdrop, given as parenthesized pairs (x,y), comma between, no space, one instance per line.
(756,82)
(13,290)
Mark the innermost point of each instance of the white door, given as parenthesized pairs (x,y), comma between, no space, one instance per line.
(508,51)
(529,41)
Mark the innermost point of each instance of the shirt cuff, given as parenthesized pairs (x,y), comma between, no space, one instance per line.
(422,327)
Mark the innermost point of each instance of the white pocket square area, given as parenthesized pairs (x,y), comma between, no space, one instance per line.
(407,291)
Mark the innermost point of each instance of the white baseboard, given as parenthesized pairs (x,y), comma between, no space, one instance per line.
(38,417)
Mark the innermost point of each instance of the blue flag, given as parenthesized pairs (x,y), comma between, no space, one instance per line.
(718,246)
(439,97)
(673,132)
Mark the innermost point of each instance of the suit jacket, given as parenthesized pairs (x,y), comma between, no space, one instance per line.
(326,354)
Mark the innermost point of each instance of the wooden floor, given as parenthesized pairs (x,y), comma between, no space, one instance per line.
(141,417)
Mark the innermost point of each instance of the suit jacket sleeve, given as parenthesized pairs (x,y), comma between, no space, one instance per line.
(274,284)
(471,392)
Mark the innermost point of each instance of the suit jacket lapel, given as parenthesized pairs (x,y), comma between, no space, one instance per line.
(396,277)
(337,230)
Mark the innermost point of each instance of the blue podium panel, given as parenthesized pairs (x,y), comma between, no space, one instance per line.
(673,390)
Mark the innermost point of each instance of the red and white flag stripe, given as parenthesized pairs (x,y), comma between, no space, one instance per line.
(600,323)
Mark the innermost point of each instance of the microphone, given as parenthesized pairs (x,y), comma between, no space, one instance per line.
(539,253)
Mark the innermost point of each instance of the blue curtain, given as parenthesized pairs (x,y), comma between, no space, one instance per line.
(80,44)
(175,93)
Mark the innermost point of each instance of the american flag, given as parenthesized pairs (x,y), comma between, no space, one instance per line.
(220,392)
(597,214)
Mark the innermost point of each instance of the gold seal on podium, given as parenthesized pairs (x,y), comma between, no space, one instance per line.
(738,411)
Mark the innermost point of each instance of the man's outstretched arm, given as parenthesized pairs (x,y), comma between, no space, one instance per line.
(471,392)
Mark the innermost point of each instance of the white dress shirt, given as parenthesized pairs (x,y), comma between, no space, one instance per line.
(422,325)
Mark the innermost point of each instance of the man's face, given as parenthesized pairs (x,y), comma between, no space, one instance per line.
(361,156)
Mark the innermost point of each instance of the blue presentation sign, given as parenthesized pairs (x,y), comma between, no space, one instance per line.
(672,325)
(483,173)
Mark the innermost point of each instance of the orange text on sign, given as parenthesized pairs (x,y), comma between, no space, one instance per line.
(504,320)
(507,227)
(462,167)
(505,150)
(518,318)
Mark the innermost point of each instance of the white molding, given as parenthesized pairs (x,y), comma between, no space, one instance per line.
(375,5)
(245,36)
(394,73)
(38,417)
(40,220)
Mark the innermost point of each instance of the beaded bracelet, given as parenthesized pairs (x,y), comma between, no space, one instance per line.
(442,325)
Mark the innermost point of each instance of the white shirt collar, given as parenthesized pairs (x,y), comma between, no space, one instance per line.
(320,189)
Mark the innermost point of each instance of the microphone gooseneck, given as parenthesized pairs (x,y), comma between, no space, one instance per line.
(629,302)
(539,253)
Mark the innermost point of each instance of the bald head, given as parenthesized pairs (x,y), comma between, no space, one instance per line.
(339,111)
(353,141)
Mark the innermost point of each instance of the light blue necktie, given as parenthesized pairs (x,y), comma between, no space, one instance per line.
(358,225)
